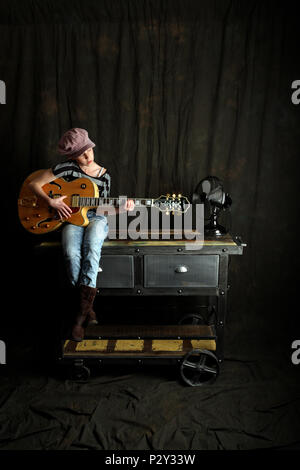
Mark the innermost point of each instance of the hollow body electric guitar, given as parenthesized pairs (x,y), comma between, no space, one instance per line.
(38,217)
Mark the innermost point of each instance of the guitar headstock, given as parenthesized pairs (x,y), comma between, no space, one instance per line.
(177,204)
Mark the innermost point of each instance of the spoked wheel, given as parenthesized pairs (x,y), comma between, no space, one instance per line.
(192,319)
(199,367)
(79,373)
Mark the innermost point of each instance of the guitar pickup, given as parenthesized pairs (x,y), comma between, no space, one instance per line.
(75,200)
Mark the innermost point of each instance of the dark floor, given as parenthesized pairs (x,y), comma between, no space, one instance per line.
(254,404)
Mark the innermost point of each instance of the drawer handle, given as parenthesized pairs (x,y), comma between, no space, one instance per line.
(181,269)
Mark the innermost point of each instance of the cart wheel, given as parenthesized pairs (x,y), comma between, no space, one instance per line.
(199,367)
(79,373)
(192,319)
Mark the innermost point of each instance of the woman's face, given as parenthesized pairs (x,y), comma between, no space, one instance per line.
(87,158)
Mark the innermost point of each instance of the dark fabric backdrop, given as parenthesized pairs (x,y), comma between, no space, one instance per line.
(170,91)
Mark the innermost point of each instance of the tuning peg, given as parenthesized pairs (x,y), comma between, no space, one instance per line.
(173,195)
(168,195)
(179,195)
(167,213)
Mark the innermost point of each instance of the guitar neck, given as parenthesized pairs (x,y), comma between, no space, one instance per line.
(95,202)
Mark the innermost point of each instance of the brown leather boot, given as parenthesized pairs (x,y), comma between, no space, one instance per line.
(92,319)
(86,298)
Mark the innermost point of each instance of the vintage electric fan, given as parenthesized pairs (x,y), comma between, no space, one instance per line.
(210,192)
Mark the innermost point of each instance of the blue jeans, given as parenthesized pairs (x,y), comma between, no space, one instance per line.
(82,249)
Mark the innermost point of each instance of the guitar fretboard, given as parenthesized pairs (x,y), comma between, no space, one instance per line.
(78,201)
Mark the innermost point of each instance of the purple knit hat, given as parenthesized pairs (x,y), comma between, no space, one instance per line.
(74,142)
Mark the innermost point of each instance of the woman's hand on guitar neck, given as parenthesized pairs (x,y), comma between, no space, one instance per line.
(129,206)
(63,210)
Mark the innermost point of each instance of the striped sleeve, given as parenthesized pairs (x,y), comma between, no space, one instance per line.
(63,169)
(105,190)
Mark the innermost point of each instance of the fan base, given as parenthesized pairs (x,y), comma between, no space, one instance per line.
(214,230)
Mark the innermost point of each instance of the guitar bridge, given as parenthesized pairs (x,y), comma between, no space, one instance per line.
(28,202)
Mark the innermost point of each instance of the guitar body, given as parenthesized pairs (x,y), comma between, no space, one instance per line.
(38,217)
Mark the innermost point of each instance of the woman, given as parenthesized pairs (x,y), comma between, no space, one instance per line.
(81,245)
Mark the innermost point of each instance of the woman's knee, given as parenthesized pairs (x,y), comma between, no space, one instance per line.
(98,229)
(71,253)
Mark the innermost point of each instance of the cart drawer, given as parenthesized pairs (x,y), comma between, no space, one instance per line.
(117,271)
(181,270)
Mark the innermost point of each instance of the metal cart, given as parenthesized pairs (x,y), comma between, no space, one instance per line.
(161,268)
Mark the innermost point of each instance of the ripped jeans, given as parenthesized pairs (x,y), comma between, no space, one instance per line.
(82,249)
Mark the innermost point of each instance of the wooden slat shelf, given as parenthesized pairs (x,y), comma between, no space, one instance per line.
(146,348)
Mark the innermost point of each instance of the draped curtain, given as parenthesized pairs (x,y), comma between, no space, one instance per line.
(170,91)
